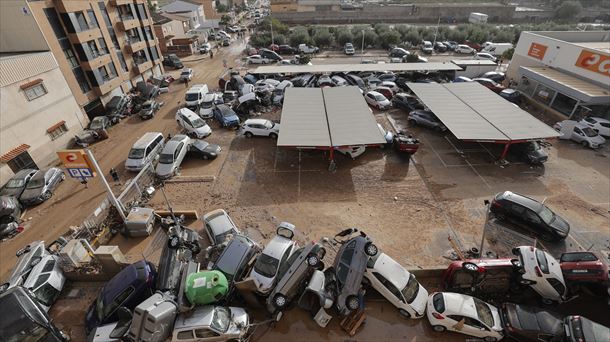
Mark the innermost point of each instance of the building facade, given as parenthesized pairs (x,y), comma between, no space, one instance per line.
(281,6)
(39,112)
(167,29)
(565,72)
(103,48)
(193,11)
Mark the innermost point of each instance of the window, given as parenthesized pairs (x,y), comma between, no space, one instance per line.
(544,94)
(142,12)
(65,17)
(205,333)
(58,132)
(55,23)
(92,78)
(93,49)
(105,14)
(112,70)
(149,35)
(82,22)
(35,91)
(542,262)
(122,61)
(563,104)
(92,19)
(388,285)
(185,335)
(153,53)
(81,79)
(115,42)
(82,55)
(103,47)
(531,216)
(104,73)
(118,301)
(71,57)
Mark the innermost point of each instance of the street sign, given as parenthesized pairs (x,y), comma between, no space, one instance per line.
(77,163)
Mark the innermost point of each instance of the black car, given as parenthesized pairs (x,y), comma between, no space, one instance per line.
(16,185)
(530,214)
(511,95)
(401,82)
(173,61)
(530,151)
(406,102)
(234,261)
(204,149)
(398,52)
(580,329)
(272,55)
(287,50)
(440,47)
(527,323)
(495,76)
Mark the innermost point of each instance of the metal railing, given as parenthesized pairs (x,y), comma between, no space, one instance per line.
(135,191)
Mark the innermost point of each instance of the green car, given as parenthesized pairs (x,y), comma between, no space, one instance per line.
(206,287)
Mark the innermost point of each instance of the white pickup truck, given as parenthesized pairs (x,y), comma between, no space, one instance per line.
(304,48)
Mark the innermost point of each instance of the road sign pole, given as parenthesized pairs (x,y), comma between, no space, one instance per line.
(113,199)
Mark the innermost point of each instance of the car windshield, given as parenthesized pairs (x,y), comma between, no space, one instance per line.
(484,312)
(380,98)
(207,104)
(96,123)
(589,131)
(221,319)
(147,106)
(411,289)
(185,73)
(581,256)
(46,294)
(197,122)
(266,265)
(191,97)
(166,158)
(546,214)
(35,183)
(15,183)
(136,153)
(542,262)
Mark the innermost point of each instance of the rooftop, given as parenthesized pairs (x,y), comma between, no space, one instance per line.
(594,40)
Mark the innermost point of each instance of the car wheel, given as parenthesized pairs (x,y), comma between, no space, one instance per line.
(370,249)
(404,313)
(439,328)
(312,260)
(248,134)
(4,287)
(516,263)
(206,157)
(280,301)
(584,144)
(412,122)
(352,303)
(470,267)
(547,301)
(500,217)
(490,339)
(273,136)
(63,177)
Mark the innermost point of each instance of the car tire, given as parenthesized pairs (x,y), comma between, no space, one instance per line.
(63,177)
(248,134)
(205,157)
(490,339)
(370,249)
(404,313)
(4,287)
(470,267)
(584,144)
(273,136)
(352,303)
(547,301)
(516,263)
(439,328)
(412,122)
(280,301)
(312,260)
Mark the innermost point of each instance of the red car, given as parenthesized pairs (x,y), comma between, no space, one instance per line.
(405,143)
(473,45)
(274,47)
(490,84)
(483,276)
(588,267)
(385,91)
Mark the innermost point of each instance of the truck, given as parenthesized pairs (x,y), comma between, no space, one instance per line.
(497,49)
(304,48)
(473,68)
(477,18)
(194,96)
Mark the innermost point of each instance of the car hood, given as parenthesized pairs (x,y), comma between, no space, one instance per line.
(264,283)
(230,118)
(420,301)
(239,323)
(164,170)
(560,225)
(212,149)
(86,135)
(31,194)
(598,139)
(203,130)
(134,163)
(537,154)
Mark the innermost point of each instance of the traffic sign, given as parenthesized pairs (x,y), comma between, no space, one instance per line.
(77,163)
(81,173)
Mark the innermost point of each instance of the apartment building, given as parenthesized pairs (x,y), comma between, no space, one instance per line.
(103,48)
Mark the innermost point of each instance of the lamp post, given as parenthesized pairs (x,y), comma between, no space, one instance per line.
(362,48)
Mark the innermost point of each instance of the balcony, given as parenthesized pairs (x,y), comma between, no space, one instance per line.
(128,22)
(97,61)
(135,45)
(85,36)
(109,85)
(141,67)
(119,2)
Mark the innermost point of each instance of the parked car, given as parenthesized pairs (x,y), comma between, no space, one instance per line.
(325,81)
(307,49)
(584,267)
(391,85)
(207,105)
(226,116)
(397,285)
(542,272)
(496,76)
(218,225)
(579,329)
(602,126)
(339,81)
(235,260)
(257,59)
(286,50)
(280,89)
(349,49)
(462,79)
(205,48)
(482,277)
(490,84)
(451,45)
(440,47)
(127,288)
(462,48)
(148,109)
(511,95)
(530,214)
(173,61)
(270,55)
(273,257)
(211,323)
(485,56)
(385,91)
(426,47)
(41,186)
(580,133)
(172,156)
(192,124)
(144,151)
(348,268)
(464,314)
(186,75)
(528,323)
(399,52)
(204,149)
(94,132)
(375,99)
(10,213)
(17,184)
(426,118)
(530,151)
(355,80)
(294,274)
(260,127)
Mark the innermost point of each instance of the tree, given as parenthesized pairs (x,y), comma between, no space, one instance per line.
(508,54)
(304,59)
(389,38)
(151,7)
(323,38)
(412,37)
(344,37)
(225,19)
(412,58)
(568,10)
(220,8)
(370,38)
(299,36)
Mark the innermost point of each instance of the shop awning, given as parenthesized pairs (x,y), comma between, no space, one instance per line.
(328,68)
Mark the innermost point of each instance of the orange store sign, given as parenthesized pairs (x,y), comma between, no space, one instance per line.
(594,61)
(537,51)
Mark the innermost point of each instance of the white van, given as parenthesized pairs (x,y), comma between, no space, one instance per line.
(194,96)
(497,49)
(144,151)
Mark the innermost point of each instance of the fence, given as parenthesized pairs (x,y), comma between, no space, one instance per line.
(136,187)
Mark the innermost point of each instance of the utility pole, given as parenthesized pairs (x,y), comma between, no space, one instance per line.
(113,199)
(436,31)
(271,24)
(362,48)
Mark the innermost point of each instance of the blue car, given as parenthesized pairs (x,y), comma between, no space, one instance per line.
(226,116)
(127,288)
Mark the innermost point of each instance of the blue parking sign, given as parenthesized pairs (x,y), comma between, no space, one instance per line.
(80,173)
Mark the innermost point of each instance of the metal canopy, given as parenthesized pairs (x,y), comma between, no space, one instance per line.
(328,68)
(473,112)
(314,117)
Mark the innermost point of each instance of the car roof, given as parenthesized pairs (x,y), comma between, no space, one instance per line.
(188,113)
(22,173)
(257,121)
(521,199)
(374,93)
(170,147)
(277,246)
(391,270)
(234,253)
(460,304)
(125,278)
(199,318)
(219,221)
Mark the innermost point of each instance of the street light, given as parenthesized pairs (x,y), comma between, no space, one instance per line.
(362,49)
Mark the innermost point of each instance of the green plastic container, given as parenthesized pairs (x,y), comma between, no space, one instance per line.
(206,287)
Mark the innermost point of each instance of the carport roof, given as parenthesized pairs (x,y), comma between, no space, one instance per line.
(328,68)
(473,112)
(314,117)
(587,92)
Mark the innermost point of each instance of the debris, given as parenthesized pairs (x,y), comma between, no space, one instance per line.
(353,321)
(191,179)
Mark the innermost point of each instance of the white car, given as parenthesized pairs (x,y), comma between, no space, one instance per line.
(186,75)
(339,81)
(377,100)
(397,285)
(260,127)
(278,92)
(266,85)
(464,49)
(218,225)
(207,105)
(192,123)
(257,59)
(211,323)
(392,85)
(285,62)
(464,314)
(602,126)
(351,151)
(172,156)
(542,272)
(580,133)
(273,257)
(485,56)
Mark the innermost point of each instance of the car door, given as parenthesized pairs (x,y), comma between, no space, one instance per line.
(427,121)
(370,99)
(534,221)
(388,290)
(578,135)
(206,334)
(517,213)
(475,327)
(179,154)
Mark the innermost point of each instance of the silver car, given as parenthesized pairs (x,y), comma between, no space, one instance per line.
(211,323)
(16,185)
(41,186)
(172,155)
(218,225)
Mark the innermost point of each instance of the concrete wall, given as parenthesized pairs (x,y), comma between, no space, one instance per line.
(26,122)
(18,29)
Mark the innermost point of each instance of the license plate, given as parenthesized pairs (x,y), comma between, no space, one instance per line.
(580,271)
